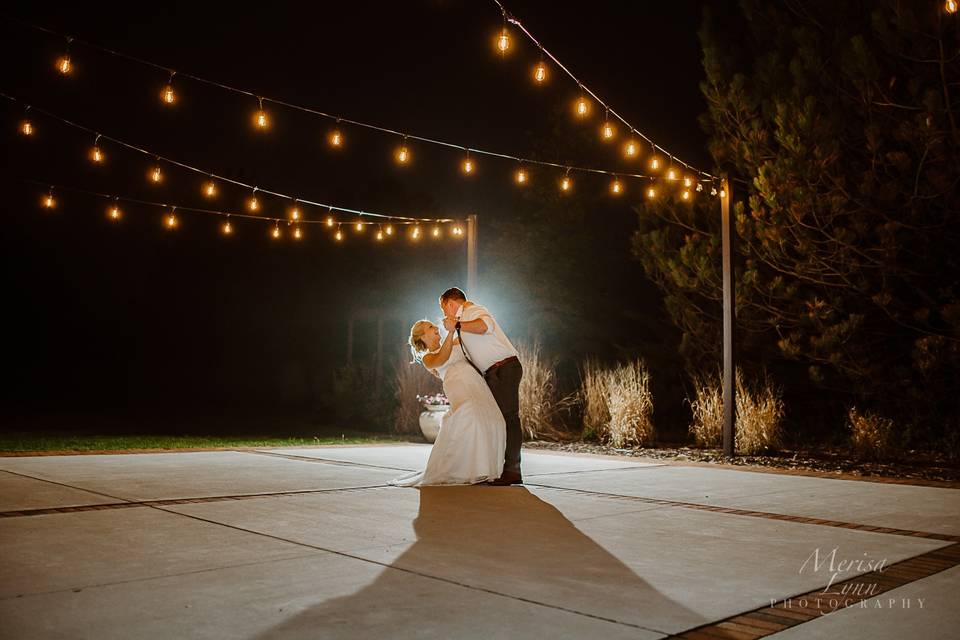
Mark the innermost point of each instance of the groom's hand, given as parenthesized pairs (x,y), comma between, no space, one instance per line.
(449,323)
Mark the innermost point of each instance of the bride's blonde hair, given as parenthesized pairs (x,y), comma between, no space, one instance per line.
(417,345)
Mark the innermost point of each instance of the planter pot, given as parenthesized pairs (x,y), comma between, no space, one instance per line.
(430,421)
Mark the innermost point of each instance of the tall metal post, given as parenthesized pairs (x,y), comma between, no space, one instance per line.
(728,235)
(471,255)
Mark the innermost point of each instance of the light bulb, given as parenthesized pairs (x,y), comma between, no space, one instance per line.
(713,191)
(671,174)
(296,233)
(96,155)
(156,175)
(608,131)
(63,65)
(686,194)
(329,221)
(260,118)
(294,213)
(416,233)
(540,73)
(210,189)
(723,193)
(339,235)
(950,6)
(631,149)
(616,187)
(403,155)
(49,201)
(467,166)
(457,230)
(655,163)
(436,232)
(359,227)
(335,138)
(566,183)
(380,234)
(651,193)
(276,232)
(26,128)
(521,176)
(503,41)
(115,213)
(389,230)
(227,228)
(170,221)
(169,96)
(699,186)
(688,181)
(253,204)
(581,107)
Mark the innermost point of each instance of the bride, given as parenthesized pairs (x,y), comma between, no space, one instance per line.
(470,446)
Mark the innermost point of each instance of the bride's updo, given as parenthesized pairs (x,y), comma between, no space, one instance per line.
(417,345)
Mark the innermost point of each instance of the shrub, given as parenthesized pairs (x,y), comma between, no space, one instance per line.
(871,435)
(617,404)
(759,417)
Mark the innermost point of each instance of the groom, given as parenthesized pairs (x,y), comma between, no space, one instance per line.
(488,349)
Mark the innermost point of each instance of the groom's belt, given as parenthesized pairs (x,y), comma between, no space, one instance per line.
(501,363)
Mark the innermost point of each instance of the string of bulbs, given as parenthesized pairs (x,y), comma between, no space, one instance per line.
(210,188)
(171,219)
(403,153)
(582,106)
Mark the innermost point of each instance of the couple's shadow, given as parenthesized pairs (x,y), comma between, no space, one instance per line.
(504,540)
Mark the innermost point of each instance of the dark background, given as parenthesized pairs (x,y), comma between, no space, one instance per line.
(129,319)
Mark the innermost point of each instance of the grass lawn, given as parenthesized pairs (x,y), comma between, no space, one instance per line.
(24,442)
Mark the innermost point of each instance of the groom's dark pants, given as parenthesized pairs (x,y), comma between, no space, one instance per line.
(504,383)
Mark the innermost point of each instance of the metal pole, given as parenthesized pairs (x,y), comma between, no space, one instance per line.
(728,235)
(471,255)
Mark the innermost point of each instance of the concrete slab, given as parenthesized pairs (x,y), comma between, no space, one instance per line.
(19,492)
(154,476)
(884,505)
(928,608)
(663,568)
(412,457)
(65,551)
(322,596)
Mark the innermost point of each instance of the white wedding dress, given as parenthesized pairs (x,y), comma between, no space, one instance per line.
(470,445)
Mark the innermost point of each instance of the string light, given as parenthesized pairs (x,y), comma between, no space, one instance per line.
(457,230)
(115,212)
(616,187)
(26,127)
(295,212)
(95,154)
(699,187)
(686,194)
(389,229)
(329,221)
(467,165)
(49,202)
(260,118)
(210,189)
(335,138)
(359,227)
(503,41)
(723,193)
(713,191)
(168,95)
(566,183)
(227,228)
(297,234)
(436,232)
(521,176)
(252,203)
(540,73)
(64,66)
(581,107)
(687,181)
(671,174)
(170,221)
(276,231)
(415,234)
(403,153)
(950,6)
(607,131)
(379,234)
(631,148)
(655,163)
(651,193)
(156,175)
(339,235)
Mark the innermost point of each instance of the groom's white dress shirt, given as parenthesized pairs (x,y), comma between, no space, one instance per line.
(490,347)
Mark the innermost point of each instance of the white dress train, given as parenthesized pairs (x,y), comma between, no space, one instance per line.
(470,446)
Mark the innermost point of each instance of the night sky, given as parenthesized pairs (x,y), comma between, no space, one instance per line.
(104,316)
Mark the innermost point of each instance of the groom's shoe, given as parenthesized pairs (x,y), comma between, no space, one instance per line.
(508,477)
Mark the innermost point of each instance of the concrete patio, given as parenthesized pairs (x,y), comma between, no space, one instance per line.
(311,543)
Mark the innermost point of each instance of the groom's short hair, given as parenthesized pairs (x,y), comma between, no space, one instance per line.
(453,293)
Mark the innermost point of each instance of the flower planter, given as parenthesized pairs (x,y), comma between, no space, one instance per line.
(430,420)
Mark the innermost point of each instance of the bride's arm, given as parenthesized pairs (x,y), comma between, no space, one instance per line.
(434,360)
